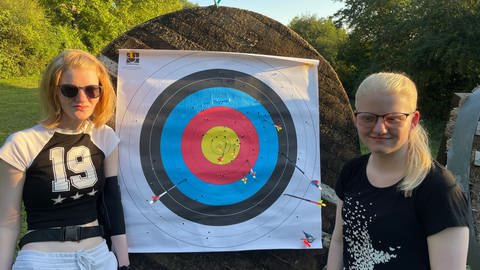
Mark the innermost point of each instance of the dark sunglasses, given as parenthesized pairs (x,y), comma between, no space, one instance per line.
(71,91)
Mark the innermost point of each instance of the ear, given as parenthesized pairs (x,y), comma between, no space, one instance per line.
(355,122)
(415,119)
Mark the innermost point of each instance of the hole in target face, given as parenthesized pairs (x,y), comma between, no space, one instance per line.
(214,128)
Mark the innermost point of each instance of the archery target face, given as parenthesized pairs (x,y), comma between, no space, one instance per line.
(218,142)
(212,128)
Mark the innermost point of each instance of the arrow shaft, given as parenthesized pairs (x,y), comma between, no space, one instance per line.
(300,198)
(293,163)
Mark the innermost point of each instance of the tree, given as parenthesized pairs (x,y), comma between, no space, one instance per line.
(25,38)
(326,38)
(97,22)
(378,33)
(321,33)
(445,49)
(33,32)
(431,40)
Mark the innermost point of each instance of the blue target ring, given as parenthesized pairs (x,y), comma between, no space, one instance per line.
(162,160)
(170,145)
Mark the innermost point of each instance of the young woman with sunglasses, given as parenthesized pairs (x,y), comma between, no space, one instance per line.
(398,208)
(65,170)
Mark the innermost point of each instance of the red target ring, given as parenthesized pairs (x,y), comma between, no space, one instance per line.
(246,143)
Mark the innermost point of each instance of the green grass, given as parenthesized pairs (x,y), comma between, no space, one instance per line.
(435,128)
(19,109)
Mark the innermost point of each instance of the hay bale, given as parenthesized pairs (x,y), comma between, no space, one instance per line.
(236,30)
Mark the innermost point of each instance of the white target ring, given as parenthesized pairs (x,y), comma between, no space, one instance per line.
(151,91)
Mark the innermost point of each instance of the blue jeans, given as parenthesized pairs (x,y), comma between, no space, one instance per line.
(98,257)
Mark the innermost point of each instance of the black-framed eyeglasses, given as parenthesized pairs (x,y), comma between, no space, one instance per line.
(71,91)
(393,119)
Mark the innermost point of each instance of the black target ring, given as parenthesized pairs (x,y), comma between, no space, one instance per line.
(155,172)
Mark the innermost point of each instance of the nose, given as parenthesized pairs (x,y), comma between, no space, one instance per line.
(81,96)
(380,127)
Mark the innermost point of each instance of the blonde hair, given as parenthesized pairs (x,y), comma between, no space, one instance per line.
(49,95)
(419,157)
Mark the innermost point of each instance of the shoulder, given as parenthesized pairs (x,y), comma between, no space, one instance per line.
(105,138)
(29,134)
(350,172)
(439,184)
(438,178)
(355,164)
(104,130)
(37,134)
(439,201)
(21,147)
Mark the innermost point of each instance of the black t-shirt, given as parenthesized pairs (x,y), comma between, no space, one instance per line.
(64,172)
(384,230)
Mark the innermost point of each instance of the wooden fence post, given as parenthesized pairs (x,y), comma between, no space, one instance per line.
(462,156)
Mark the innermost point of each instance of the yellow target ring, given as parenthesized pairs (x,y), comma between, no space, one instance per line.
(220,145)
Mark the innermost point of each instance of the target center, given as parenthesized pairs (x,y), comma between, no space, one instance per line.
(220,145)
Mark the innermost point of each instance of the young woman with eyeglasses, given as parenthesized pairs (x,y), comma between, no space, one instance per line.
(65,171)
(398,209)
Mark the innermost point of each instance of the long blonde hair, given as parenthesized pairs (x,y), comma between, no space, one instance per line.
(71,59)
(419,157)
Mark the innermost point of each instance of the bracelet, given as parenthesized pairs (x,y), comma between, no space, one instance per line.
(124,267)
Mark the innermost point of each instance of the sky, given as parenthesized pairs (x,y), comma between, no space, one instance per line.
(281,10)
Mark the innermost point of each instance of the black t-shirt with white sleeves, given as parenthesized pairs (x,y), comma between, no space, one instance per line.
(64,172)
(384,230)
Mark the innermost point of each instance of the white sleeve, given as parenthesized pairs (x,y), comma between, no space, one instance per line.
(13,152)
(22,147)
(106,139)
